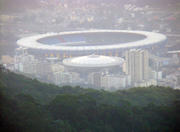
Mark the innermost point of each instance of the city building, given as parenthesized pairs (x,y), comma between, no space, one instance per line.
(94,79)
(26,63)
(156,75)
(146,83)
(66,78)
(137,64)
(114,82)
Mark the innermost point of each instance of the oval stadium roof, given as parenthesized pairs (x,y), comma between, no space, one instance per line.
(93,61)
(151,38)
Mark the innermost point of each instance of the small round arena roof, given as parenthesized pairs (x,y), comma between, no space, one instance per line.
(91,40)
(93,61)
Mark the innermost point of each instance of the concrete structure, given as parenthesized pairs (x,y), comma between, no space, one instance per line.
(66,78)
(61,78)
(114,82)
(146,83)
(137,64)
(94,79)
(80,43)
(93,61)
(156,75)
(26,64)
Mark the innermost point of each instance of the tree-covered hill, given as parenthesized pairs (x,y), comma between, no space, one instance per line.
(14,84)
(28,105)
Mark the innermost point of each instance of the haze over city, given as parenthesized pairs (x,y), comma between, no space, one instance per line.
(106,45)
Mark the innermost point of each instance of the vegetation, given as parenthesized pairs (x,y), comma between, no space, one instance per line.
(27,105)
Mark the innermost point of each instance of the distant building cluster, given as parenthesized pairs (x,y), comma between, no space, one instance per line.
(141,66)
(137,69)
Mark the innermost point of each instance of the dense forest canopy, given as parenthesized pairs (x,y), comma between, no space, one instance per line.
(28,105)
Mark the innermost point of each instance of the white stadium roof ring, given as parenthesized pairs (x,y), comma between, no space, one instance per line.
(81,44)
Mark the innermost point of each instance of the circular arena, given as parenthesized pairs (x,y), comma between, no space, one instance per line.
(93,61)
(78,43)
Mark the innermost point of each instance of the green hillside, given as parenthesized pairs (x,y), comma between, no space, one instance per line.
(27,105)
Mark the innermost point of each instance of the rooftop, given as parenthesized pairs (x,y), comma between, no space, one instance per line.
(79,45)
(93,61)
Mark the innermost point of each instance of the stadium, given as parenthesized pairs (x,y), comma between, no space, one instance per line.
(81,43)
(93,63)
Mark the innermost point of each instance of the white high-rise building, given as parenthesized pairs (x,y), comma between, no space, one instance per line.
(137,64)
